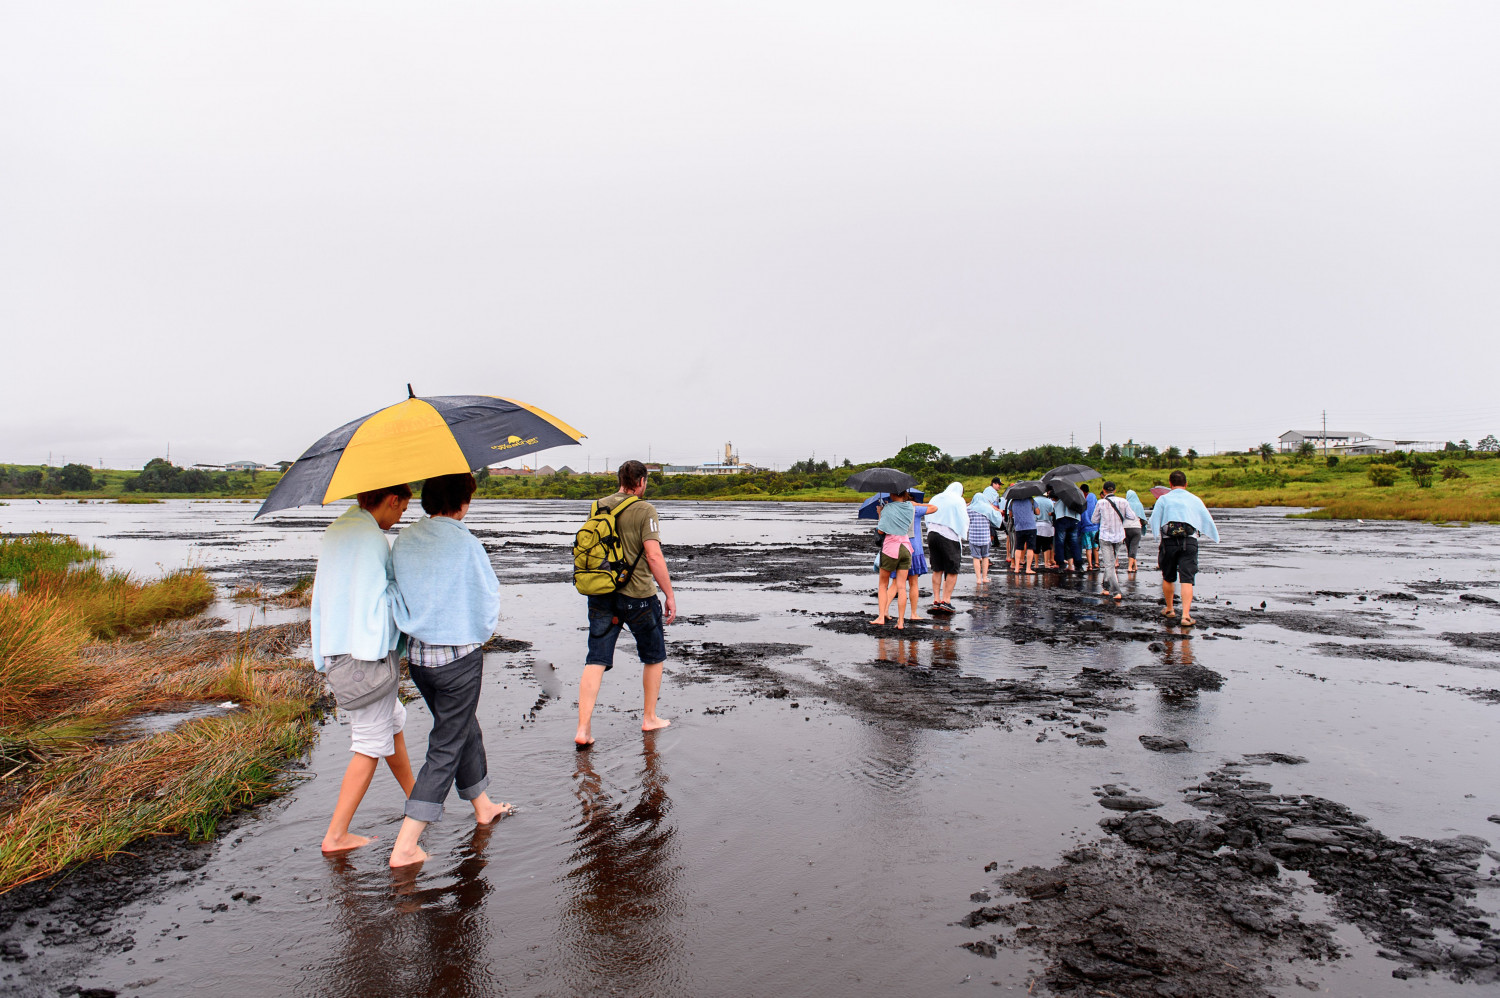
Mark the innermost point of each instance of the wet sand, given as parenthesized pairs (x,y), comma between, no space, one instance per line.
(838,808)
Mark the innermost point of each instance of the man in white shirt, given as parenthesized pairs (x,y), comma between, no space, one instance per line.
(1113,515)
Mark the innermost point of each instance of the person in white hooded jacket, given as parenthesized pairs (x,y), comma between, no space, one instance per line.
(945,531)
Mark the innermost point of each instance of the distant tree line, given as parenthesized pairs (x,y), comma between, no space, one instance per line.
(160,475)
(68,478)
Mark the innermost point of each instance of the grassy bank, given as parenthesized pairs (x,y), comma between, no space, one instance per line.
(82,652)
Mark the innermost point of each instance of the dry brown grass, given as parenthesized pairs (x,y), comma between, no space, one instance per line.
(95,802)
(72,789)
(298,593)
(116,603)
(40,637)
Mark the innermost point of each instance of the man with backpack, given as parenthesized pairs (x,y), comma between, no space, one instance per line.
(618,564)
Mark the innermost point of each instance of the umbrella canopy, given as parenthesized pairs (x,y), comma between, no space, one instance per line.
(867,510)
(1070,473)
(415,440)
(1025,490)
(880,480)
(1159,490)
(1069,494)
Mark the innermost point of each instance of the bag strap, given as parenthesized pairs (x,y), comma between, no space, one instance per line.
(630,573)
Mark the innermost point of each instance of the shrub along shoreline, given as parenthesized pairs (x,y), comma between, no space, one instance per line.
(1442,486)
(82,652)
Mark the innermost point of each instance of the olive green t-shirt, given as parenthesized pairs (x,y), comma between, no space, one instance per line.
(637,525)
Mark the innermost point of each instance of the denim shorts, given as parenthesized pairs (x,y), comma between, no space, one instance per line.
(608,615)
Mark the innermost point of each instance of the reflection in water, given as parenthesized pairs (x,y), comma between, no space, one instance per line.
(432,943)
(624,893)
(944,649)
(898,651)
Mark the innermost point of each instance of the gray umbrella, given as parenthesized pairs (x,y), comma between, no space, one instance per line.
(1070,473)
(880,480)
(1069,494)
(1025,490)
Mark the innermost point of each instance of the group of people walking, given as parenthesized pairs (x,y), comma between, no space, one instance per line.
(1045,533)
(434,595)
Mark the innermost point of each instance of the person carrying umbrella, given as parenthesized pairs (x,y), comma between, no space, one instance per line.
(1045,531)
(1068,505)
(896,524)
(354,641)
(354,633)
(1178,519)
(1020,504)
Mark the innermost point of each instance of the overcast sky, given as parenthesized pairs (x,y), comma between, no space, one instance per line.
(828,227)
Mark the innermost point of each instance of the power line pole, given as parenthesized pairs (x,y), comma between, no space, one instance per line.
(1325,434)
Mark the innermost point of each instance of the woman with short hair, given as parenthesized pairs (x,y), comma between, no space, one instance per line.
(449,606)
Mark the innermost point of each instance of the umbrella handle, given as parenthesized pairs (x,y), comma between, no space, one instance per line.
(409,393)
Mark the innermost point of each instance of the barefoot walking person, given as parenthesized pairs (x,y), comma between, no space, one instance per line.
(1044,532)
(1133,533)
(896,524)
(1178,519)
(983,514)
(1113,518)
(448,606)
(634,605)
(354,639)
(946,527)
(1023,513)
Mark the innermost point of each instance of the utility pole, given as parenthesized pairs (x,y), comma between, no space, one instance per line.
(1101,433)
(1325,434)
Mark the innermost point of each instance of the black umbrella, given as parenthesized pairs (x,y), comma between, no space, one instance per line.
(1070,473)
(880,480)
(1025,490)
(1068,494)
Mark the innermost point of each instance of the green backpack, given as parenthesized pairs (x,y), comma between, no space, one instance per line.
(599,554)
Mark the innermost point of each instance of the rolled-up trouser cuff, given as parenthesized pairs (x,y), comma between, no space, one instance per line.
(424,810)
(469,793)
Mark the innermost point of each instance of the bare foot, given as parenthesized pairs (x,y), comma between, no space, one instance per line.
(910,619)
(345,842)
(655,723)
(1119,597)
(406,857)
(583,739)
(878,621)
(900,626)
(493,813)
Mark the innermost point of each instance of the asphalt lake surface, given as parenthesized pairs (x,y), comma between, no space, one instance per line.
(1045,794)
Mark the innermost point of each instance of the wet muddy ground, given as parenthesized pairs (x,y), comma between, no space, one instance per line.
(1044,794)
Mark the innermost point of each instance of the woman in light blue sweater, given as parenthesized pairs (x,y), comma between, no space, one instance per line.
(448,604)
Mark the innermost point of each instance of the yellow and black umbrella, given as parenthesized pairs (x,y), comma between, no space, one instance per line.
(415,440)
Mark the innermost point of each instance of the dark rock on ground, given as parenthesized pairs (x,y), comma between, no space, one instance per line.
(1160,743)
(1267,758)
(1127,802)
(1106,929)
